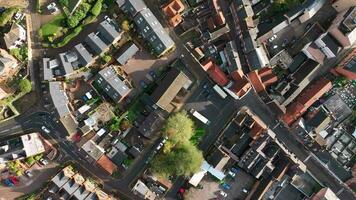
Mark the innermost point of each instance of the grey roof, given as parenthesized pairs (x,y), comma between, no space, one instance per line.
(108,31)
(152,123)
(152,31)
(67,66)
(95,43)
(126,53)
(81,193)
(134,6)
(253,60)
(70,186)
(298,60)
(331,44)
(232,57)
(119,158)
(47,72)
(60,179)
(111,84)
(320,117)
(85,57)
(59,98)
(120,3)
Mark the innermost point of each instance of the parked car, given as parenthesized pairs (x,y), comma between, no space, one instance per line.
(43,161)
(28,173)
(8,182)
(272,38)
(233,169)
(45,129)
(222,193)
(244,190)
(232,174)
(226,186)
(143,84)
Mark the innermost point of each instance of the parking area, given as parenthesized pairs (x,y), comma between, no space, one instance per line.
(240,185)
(142,63)
(206,101)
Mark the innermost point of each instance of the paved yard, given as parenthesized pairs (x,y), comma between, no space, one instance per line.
(211,188)
(140,65)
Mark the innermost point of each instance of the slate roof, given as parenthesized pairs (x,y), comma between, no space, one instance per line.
(151,30)
(84,57)
(126,53)
(95,43)
(134,6)
(108,31)
(111,84)
(59,98)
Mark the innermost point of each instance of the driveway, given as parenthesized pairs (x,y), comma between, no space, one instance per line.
(27,185)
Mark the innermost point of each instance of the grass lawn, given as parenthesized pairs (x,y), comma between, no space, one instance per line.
(55,26)
(26,102)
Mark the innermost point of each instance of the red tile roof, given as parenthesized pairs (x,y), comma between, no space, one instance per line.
(306,99)
(215,72)
(105,163)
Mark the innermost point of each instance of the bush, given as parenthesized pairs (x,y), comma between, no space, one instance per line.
(30,160)
(25,86)
(106,58)
(6,16)
(20,53)
(97,8)
(68,38)
(125,25)
(64,3)
(89,19)
(78,15)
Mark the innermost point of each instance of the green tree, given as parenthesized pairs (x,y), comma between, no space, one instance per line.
(179,128)
(78,15)
(64,3)
(184,160)
(96,9)
(106,58)
(25,85)
(6,16)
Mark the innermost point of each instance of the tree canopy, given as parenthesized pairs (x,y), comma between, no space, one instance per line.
(25,85)
(179,128)
(184,160)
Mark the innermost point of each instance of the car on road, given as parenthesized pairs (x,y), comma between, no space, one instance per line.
(160,145)
(222,193)
(244,190)
(28,173)
(43,161)
(153,74)
(45,129)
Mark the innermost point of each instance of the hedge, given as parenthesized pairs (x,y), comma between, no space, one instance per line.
(69,37)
